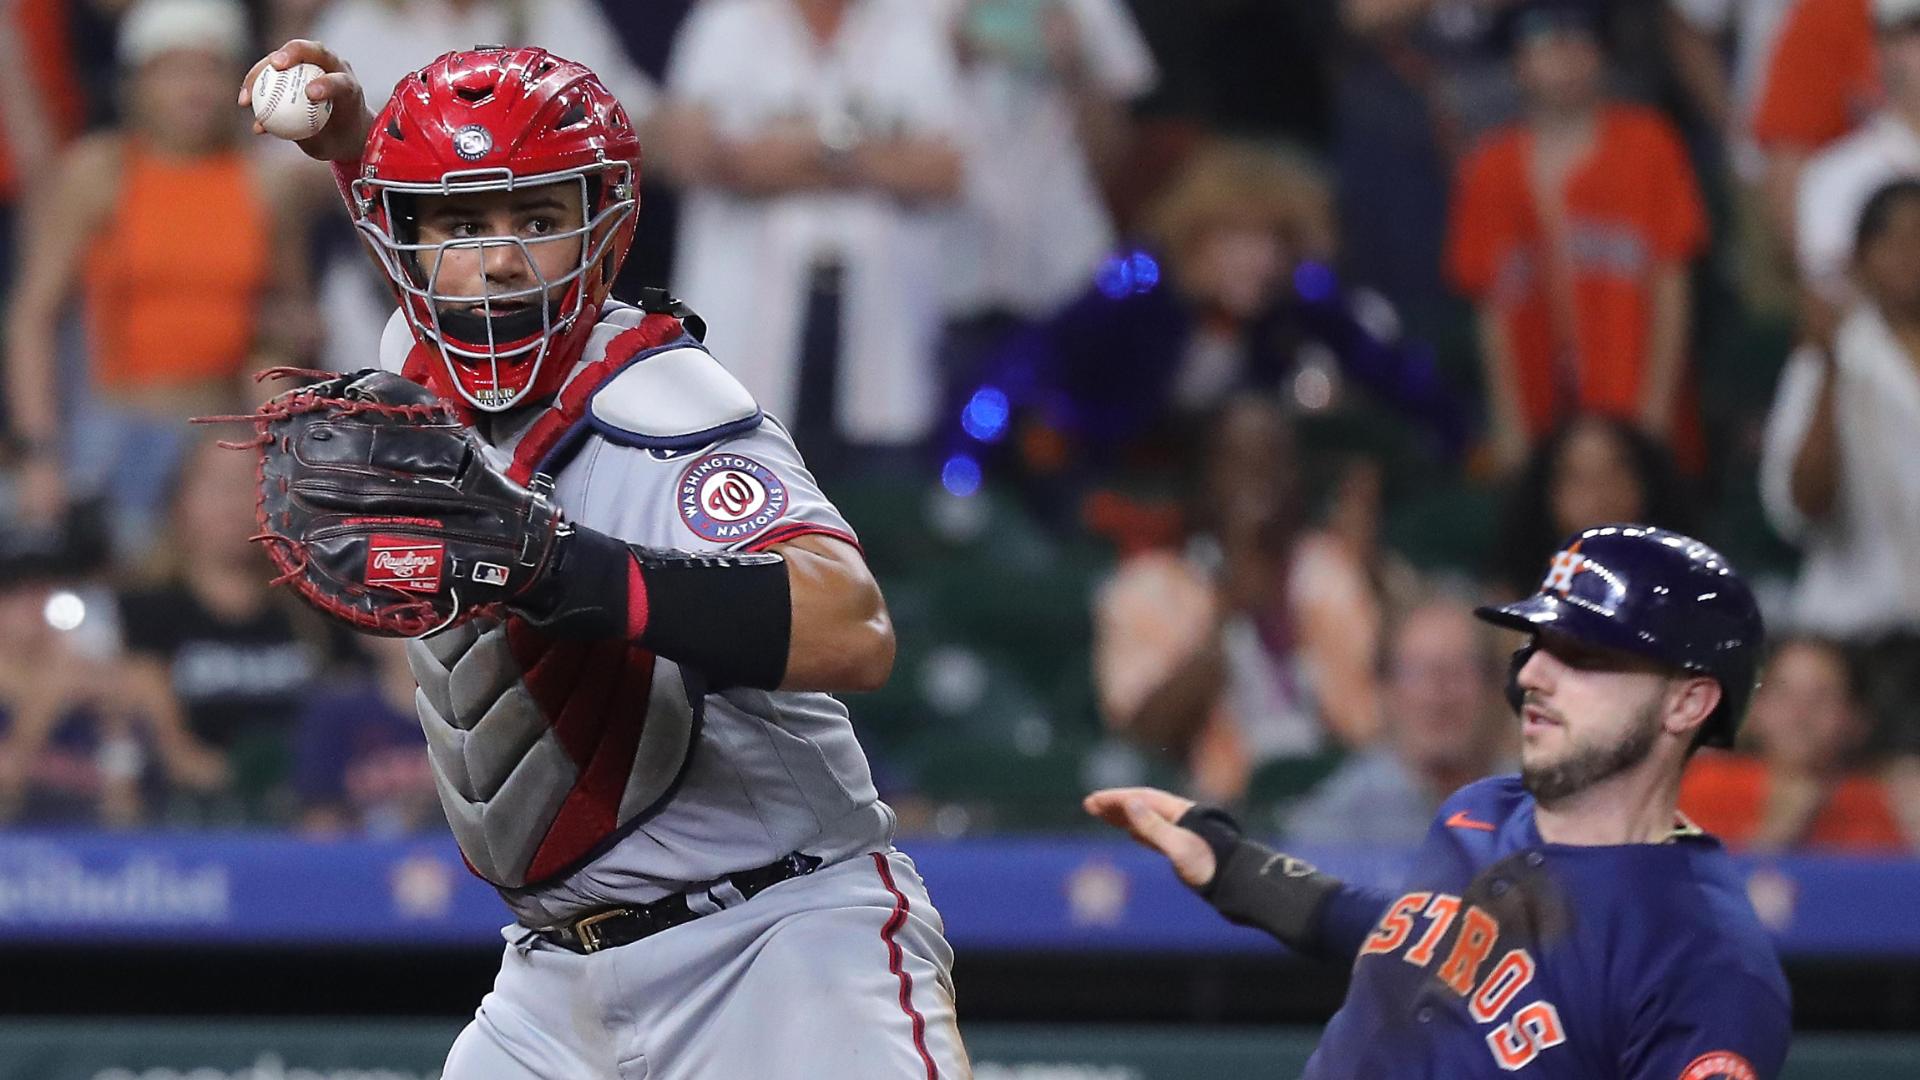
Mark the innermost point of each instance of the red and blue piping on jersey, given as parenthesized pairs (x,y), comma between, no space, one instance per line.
(896,958)
(554,438)
(794,530)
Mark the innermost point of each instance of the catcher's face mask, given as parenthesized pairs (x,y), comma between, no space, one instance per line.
(493,269)
(488,120)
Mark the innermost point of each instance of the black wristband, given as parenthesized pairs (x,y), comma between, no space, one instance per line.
(1253,885)
(1219,829)
(726,615)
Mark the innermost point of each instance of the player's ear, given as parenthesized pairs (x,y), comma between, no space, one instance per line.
(1690,701)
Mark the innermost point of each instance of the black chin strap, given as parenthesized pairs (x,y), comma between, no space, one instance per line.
(471,329)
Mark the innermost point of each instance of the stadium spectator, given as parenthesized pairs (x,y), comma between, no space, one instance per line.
(1837,182)
(817,143)
(1720,50)
(1800,787)
(1822,80)
(1837,477)
(1254,643)
(163,228)
(1442,724)
(1572,232)
(39,113)
(70,749)
(387,39)
(1837,474)
(1234,294)
(1593,470)
(361,760)
(1045,88)
(216,657)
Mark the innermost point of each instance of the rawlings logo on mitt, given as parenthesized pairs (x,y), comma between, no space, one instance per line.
(379,508)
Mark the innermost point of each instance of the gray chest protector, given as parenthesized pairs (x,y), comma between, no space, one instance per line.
(545,752)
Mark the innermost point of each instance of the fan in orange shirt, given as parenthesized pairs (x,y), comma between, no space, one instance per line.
(1823,77)
(1572,231)
(1807,723)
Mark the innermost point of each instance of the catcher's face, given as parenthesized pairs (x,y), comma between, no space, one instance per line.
(502,244)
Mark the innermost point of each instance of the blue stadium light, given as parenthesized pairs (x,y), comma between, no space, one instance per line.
(1127,272)
(961,475)
(985,417)
(1146,272)
(1314,282)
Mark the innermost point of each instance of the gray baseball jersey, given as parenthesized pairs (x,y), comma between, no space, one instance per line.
(582,775)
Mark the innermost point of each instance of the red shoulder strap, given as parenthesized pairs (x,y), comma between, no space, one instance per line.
(571,404)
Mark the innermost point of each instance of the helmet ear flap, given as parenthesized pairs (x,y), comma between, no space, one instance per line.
(1517,697)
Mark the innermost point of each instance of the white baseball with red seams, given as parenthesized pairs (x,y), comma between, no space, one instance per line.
(281,104)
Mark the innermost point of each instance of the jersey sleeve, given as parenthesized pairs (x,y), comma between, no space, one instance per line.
(1348,916)
(1476,232)
(1707,1022)
(751,493)
(1824,54)
(1680,222)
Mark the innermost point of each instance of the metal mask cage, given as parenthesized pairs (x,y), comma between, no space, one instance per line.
(404,262)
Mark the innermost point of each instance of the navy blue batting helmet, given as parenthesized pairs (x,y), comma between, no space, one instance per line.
(1657,594)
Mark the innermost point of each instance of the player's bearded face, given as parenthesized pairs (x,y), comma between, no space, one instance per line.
(1582,723)
(1585,760)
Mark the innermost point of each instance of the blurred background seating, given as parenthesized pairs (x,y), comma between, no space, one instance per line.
(1187,369)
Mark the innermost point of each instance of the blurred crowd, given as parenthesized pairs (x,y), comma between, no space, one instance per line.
(1190,370)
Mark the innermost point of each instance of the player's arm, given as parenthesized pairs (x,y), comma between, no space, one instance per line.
(61,221)
(1248,882)
(1708,1019)
(345,134)
(803,615)
(842,637)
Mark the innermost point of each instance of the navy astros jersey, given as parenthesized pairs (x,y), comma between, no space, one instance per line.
(1507,954)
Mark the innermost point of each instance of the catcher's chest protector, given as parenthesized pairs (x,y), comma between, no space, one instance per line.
(578,774)
(542,749)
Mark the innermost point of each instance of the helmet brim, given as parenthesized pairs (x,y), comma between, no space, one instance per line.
(1545,613)
(1532,614)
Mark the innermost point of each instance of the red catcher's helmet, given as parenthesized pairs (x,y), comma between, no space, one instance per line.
(497,119)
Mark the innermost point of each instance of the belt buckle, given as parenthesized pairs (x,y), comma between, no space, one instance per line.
(587,929)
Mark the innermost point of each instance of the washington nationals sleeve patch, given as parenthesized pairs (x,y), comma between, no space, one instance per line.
(728,498)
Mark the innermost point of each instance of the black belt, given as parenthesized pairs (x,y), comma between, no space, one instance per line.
(612,927)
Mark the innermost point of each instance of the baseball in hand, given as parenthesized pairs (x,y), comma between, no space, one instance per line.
(280,102)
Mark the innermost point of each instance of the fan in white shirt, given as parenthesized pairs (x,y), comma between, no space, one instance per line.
(1046,85)
(812,133)
(1835,186)
(1837,471)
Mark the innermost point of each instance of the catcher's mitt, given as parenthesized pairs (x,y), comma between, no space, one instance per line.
(379,508)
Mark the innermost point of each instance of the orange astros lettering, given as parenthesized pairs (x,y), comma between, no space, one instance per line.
(1534,1026)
